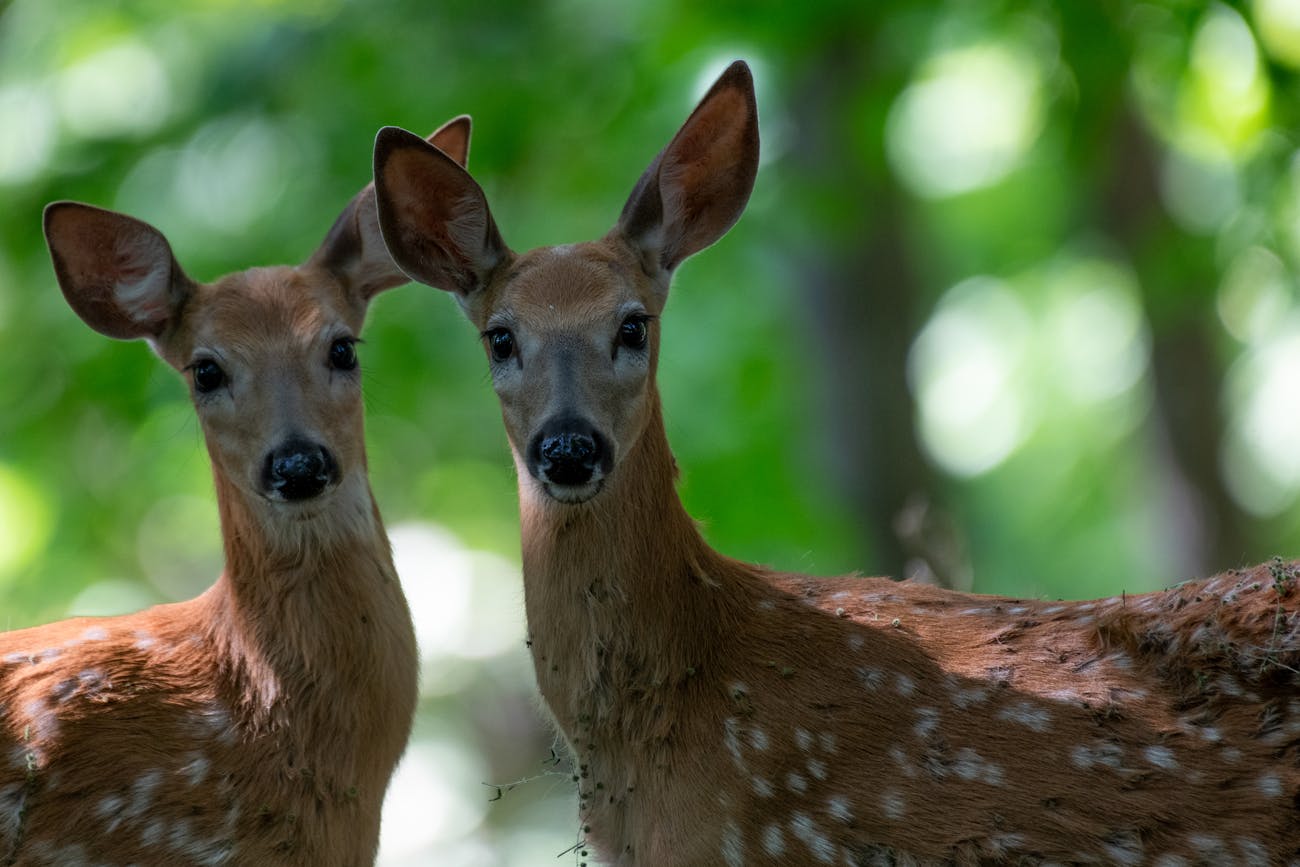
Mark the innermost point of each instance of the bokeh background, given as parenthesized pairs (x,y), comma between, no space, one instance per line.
(1013,306)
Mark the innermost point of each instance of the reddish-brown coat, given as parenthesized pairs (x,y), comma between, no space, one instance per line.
(724,714)
(260,722)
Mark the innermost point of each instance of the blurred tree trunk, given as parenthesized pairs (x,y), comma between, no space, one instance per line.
(1178,278)
(864,307)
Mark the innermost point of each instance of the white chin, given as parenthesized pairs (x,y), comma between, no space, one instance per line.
(573,494)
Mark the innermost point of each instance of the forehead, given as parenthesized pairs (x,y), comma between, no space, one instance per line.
(275,305)
(575,282)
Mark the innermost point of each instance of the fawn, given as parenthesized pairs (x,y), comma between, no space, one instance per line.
(258,723)
(723,713)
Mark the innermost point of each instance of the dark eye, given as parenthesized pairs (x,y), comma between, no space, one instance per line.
(502,344)
(208,376)
(632,333)
(343,354)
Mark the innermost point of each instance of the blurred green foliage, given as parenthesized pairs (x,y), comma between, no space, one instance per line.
(1013,303)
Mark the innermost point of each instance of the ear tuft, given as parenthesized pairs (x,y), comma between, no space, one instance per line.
(118,273)
(697,187)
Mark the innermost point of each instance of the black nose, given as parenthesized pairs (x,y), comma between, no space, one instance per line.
(299,470)
(567,453)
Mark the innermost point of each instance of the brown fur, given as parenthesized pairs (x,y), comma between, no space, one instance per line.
(260,722)
(723,714)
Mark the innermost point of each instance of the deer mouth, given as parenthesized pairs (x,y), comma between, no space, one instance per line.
(573,495)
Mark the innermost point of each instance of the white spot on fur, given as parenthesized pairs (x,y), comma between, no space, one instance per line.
(109,810)
(1269,784)
(733,848)
(855,642)
(95,633)
(1253,853)
(964,698)
(796,783)
(926,723)
(803,739)
(762,787)
(195,769)
(1024,713)
(774,841)
(805,830)
(1171,860)
(142,792)
(758,739)
(905,685)
(838,807)
(1161,757)
(731,740)
(817,769)
(152,833)
(892,804)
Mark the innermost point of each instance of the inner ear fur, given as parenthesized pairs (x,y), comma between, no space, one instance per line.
(434,217)
(697,187)
(354,247)
(117,273)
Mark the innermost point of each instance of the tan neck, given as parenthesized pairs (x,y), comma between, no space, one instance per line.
(311,608)
(622,593)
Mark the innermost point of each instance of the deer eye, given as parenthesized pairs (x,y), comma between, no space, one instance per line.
(343,354)
(633,332)
(208,376)
(501,343)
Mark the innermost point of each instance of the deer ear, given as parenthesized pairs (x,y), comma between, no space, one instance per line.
(354,248)
(433,215)
(118,273)
(697,187)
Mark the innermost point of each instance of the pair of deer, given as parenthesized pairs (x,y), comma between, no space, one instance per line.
(717,712)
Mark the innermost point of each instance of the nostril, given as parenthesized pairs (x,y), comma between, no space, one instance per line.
(568,447)
(299,470)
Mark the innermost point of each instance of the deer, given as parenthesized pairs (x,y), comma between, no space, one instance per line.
(260,722)
(723,713)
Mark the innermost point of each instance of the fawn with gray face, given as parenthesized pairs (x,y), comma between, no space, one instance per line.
(260,722)
(723,713)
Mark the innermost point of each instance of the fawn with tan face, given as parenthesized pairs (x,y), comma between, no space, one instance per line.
(260,722)
(722,713)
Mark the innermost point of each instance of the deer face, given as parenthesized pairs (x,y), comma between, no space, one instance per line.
(571,332)
(269,353)
(571,340)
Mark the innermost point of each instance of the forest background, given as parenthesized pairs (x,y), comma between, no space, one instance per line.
(1013,306)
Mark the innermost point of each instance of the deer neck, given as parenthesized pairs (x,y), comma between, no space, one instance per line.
(309,619)
(622,593)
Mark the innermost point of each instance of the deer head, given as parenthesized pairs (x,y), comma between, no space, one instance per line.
(269,353)
(571,331)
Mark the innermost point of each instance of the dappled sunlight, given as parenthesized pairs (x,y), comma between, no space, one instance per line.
(967,120)
(120,90)
(1095,327)
(467,604)
(1200,188)
(1261,460)
(996,359)
(26,521)
(1254,295)
(434,805)
(963,369)
(1225,98)
(30,125)
(1278,24)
